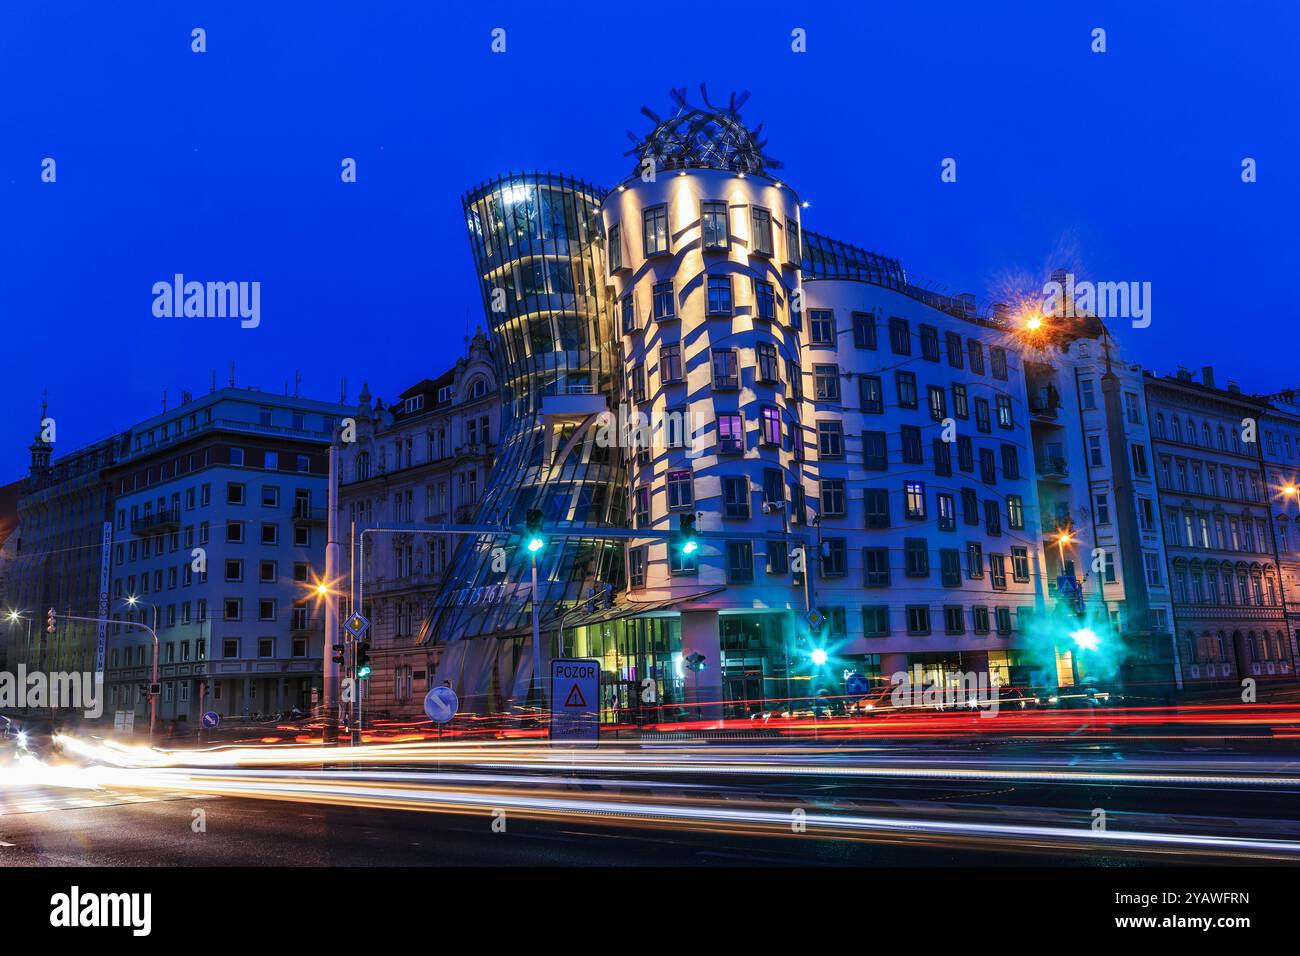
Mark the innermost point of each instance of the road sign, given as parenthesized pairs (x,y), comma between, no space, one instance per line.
(857,684)
(1066,584)
(815,618)
(211,719)
(356,625)
(440,704)
(575,699)
(315,696)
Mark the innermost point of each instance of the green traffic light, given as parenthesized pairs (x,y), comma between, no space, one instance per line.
(535,544)
(363,671)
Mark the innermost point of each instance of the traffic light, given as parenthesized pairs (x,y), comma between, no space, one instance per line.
(600,597)
(534,541)
(695,662)
(338,654)
(49,621)
(687,539)
(363,660)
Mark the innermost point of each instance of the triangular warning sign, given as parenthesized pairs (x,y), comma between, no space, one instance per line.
(575,698)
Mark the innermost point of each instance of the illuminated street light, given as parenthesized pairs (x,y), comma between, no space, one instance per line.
(1085,639)
(1290,490)
(819,656)
(1062,540)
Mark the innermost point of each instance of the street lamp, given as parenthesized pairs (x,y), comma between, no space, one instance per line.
(1062,540)
(132,601)
(1085,639)
(819,656)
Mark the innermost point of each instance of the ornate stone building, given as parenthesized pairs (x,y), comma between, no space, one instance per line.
(424,457)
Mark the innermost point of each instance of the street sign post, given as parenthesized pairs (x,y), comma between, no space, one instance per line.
(575,699)
(857,684)
(211,719)
(356,625)
(440,704)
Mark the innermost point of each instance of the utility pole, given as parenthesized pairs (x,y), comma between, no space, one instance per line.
(330,669)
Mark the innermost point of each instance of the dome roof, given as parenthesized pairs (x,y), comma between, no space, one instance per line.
(710,137)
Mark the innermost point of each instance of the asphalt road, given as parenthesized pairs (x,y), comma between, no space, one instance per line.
(42,825)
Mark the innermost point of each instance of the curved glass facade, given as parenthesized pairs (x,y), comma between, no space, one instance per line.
(537,252)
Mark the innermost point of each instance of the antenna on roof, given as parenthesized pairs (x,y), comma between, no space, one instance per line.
(343,390)
(232,373)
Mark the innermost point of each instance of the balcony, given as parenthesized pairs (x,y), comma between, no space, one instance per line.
(476,450)
(168,520)
(304,513)
(1053,467)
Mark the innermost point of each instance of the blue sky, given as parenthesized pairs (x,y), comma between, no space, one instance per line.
(225,166)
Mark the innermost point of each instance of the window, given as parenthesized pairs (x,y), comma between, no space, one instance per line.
(877,507)
(778,561)
(942,451)
(236,456)
(629,314)
(641,506)
(719,295)
(761,224)
(681,489)
(713,225)
(234,493)
(670,363)
(916,557)
(875,566)
(979,618)
(982,421)
(770,422)
(735,491)
(947,512)
(965,453)
(822,327)
(875,620)
(794,375)
(988,468)
(954,619)
(1102,510)
(270,496)
(731,433)
(900,337)
(864,330)
(956,358)
(998,362)
(270,533)
(830,439)
(998,572)
(1139,455)
(740,562)
(1003,616)
(905,382)
(871,394)
(725,373)
(765,300)
(1015,513)
(929,343)
(765,355)
(230,647)
(615,248)
(1020,563)
(267,572)
(950,567)
(992,518)
(1005,419)
(832,498)
(655,230)
(938,401)
(232,609)
(974,560)
(665,301)
(826,383)
(234,533)
(918,619)
(914,500)
(911,444)
(835,557)
(636,563)
(975,354)
(874,456)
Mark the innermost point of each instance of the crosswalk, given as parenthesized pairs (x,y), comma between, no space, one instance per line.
(46,799)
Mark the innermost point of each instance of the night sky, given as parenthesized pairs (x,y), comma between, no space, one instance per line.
(225,166)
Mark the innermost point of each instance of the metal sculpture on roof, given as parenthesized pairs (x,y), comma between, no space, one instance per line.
(711,137)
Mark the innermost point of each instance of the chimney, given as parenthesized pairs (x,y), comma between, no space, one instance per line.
(1234,387)
(1184,374)
(966,301)
(1207,376)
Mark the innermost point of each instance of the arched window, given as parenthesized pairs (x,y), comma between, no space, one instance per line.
(1223,439)
(363,466)
(1205,434)
(1191,432)
(1160,424)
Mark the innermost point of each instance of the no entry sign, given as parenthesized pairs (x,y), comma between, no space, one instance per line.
(575,699)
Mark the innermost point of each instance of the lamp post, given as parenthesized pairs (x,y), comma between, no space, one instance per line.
(132,601)
(145,627)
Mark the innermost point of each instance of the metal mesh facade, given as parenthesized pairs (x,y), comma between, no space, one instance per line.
(537,253)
